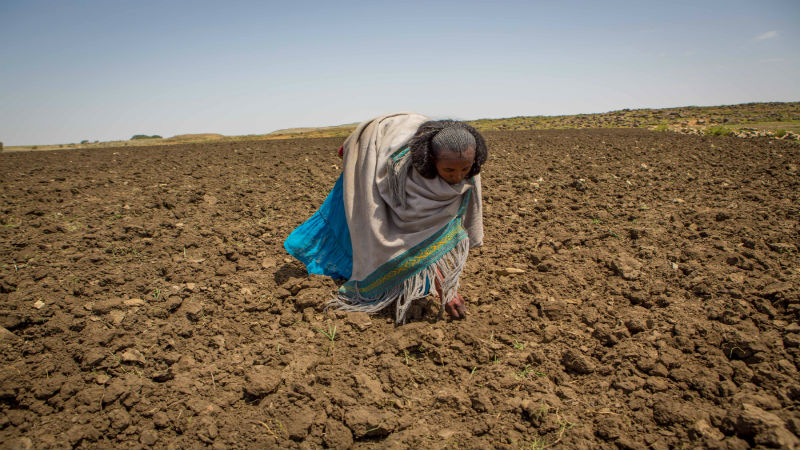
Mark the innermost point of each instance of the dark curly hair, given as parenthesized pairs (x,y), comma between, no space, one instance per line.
(436,135)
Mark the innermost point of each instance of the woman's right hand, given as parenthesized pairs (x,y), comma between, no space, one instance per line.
(456,308)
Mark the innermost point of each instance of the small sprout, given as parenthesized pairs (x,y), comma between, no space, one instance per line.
(331,335)
(523,373)
(519,345)
(538,444)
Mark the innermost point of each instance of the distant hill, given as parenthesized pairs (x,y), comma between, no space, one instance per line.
(773,118)
(748,119)
(767,116)
(332,131)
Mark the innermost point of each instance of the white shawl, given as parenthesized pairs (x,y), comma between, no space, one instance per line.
(386,226)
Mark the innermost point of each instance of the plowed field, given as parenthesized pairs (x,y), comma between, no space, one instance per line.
(636,290)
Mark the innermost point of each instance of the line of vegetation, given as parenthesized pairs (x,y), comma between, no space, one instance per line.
(144,136)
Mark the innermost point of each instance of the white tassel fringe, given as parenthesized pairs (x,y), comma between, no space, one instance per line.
(449,266)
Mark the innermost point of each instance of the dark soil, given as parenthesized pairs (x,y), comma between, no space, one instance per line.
(146,301)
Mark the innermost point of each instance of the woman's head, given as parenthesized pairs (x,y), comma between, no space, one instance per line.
(450,149)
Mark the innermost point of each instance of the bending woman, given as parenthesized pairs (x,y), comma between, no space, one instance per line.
(402,216)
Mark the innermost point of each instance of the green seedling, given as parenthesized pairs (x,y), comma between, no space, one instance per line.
(519,345)
(538,444)
(156,293)
(563,426)
(408,357)
(417,373)
(543,408)
(596,221)
(522,374)
(331,335)
(281,427)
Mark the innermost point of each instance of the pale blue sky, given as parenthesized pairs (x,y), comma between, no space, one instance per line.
(105,70)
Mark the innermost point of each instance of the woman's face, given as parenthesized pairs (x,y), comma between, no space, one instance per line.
(454,167)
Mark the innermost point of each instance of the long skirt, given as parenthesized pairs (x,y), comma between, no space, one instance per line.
(322,242)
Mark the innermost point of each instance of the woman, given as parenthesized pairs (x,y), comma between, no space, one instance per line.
(402,216)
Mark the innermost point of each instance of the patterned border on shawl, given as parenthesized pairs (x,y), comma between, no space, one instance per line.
(399,154)
(409,263)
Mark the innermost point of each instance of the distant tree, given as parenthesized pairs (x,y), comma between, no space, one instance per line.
(85,141)
(1,146)
(144,136)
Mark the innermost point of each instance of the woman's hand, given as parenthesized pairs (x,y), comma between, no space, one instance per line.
(456,307)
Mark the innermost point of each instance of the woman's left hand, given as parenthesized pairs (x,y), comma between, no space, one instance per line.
(456,307)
